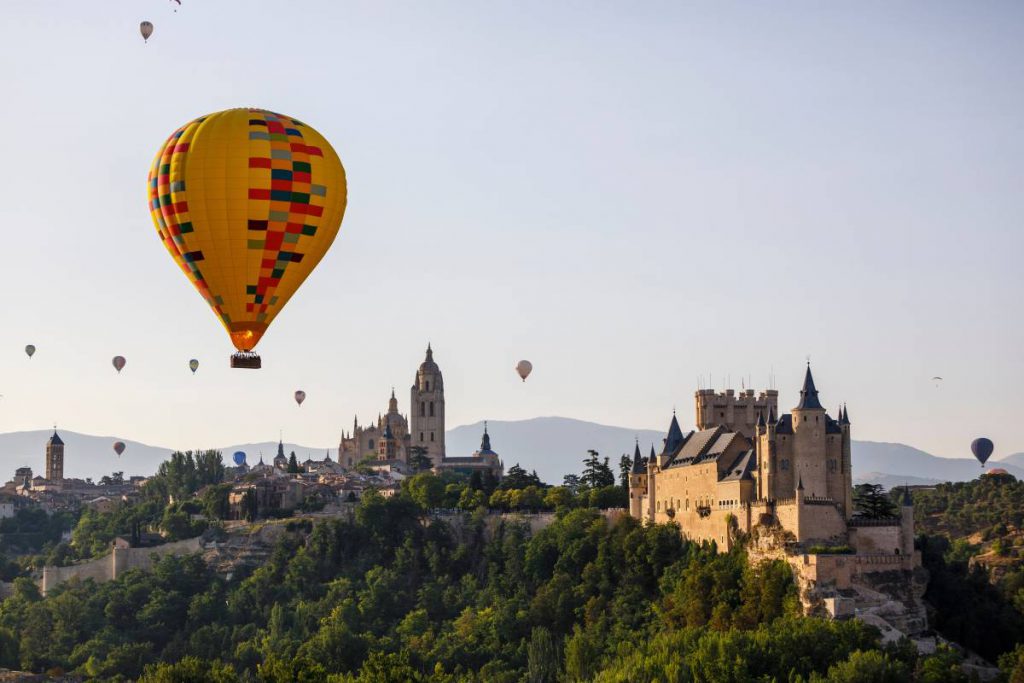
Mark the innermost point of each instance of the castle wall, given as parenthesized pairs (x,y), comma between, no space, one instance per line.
(119,561)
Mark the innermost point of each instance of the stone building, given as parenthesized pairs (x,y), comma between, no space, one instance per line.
(54,458)
(393,438)
(747,469)
(481,460)
(426,401)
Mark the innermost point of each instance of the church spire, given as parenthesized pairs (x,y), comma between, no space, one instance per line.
(430,352)
(393,403)
(485,442)
(809,394)
(846,416)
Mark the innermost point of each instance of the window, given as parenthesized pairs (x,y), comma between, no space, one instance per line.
(431,436)
(421,436)
(428,385)
(431,409)
(805,418)
(371,443)
(423,408)
(785,464)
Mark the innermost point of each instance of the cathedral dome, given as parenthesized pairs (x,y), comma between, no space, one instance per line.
(428,365)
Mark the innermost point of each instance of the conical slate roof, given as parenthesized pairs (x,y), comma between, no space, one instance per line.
(809,394)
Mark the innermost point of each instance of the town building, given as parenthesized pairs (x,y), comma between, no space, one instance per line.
(482,460)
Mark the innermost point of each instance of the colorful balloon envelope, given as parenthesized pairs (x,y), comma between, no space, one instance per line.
(300,396)
(238,457)
(193,365)
(118,362)
(119,448)
(146,29)
(30,350)
(524,368)
(247,202)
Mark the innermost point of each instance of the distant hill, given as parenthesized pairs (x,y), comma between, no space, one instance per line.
(1016,459)
(553,446)
(899,460)
(889,481)
(93,456)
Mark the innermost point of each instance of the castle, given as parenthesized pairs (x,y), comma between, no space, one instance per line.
(748,469)
(395,440)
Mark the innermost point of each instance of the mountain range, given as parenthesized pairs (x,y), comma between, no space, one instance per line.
(553,446)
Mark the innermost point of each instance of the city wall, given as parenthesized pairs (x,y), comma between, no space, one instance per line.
(119,561)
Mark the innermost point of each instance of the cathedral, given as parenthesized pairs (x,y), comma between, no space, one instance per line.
(394,440)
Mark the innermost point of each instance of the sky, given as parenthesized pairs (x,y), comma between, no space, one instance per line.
(637,197)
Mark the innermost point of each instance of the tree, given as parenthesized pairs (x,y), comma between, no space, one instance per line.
(293,464)
(542,657)
(572,483)
(426,489)
(625,467)
(870,501)
(418,459)
(596,474)
(517,478)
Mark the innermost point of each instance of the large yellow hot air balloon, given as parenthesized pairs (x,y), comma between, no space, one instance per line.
(247,202)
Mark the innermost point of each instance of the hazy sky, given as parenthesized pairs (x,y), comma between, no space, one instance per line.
(630,195)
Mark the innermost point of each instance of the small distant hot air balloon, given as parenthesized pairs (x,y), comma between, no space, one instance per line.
(146,29)
(937,380)
(179,4)
(982,449)
(239,457)
(300,396)
(193,365)
(524,368)
(118,363)
(119,448)
(30,350)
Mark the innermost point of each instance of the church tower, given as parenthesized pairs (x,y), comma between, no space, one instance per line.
(54,458)
(427,407)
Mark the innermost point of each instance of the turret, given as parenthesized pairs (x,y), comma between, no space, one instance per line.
(637,483)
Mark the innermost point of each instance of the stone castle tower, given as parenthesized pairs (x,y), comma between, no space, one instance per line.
(426,404)
(54,458)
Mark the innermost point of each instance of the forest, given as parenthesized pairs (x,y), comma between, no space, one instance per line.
(396,593)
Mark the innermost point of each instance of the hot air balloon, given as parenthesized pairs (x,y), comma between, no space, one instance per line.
(119,448)
(937,380)
(193,365)
(30,350)
(247,202)
(239,457)
(118,363)
(982,449)
(179,4)
(300,396)
(524,368)
(146,29)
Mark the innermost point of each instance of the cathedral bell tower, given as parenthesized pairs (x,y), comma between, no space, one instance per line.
(427,407)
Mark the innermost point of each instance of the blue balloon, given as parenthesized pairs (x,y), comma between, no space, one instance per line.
(239,457)
(982,448)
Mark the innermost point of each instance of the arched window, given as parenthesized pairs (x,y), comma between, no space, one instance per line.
(431,409)
(428,385)
(423,408)
(371,443)
(421,436)
(431,436)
